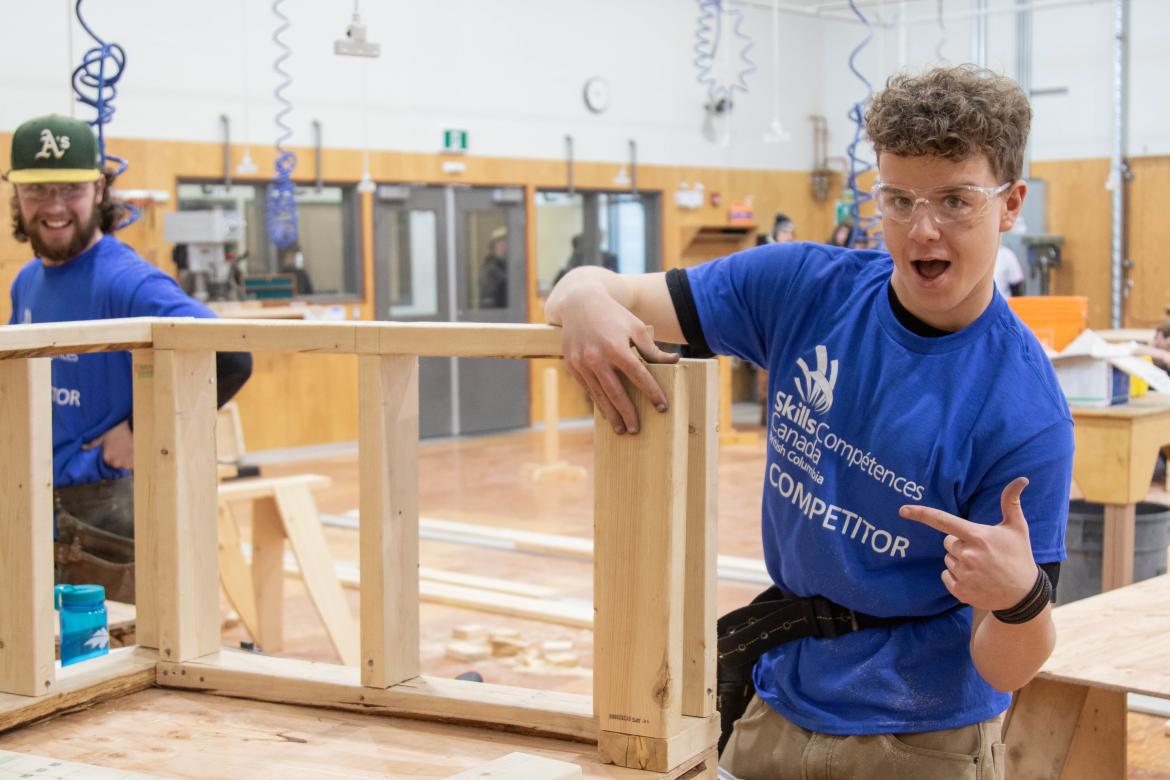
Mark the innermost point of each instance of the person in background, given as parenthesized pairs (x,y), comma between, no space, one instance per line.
(63,206)
(1160,353)
(1161,341)
(292,261)
(783,229)
(841,234)
(493,274)
(576,258)
(1009,276)
(579,257)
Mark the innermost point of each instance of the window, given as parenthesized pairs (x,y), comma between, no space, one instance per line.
(618,231)
(412,242)
(486,266)
(325,262)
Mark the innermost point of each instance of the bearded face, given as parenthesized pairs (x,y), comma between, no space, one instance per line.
(60,220)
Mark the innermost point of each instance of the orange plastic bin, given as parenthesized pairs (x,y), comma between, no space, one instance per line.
(1055,319)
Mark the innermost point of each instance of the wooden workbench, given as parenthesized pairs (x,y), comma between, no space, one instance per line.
(1140,335)
(1070,722)
(1116,449)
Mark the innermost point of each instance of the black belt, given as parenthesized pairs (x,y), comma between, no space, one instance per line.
(772,619)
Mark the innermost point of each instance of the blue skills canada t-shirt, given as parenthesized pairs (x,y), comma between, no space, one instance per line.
(867,416)
(93,392)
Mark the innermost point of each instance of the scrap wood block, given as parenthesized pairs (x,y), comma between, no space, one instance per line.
(470,631)
(505,646)
(468,651)
(521,766)
(505,633)
(556,646)
(567,658)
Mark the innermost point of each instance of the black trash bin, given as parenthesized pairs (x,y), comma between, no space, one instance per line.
(1080,575)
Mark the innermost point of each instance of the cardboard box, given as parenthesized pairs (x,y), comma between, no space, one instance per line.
(1093,372)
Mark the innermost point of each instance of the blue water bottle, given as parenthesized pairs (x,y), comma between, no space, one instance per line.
(84,633)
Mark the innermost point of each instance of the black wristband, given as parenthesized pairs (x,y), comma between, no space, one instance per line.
(1031,605)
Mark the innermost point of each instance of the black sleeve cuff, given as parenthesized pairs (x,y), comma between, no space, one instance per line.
(1053,572)
(688,314)
(232,370)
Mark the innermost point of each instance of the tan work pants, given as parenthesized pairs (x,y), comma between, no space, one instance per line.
(766,745)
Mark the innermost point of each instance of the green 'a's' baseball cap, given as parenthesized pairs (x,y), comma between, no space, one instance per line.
(53,149)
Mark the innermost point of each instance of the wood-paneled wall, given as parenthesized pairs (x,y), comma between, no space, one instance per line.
(1080,209)
(295,400)
(1149,241)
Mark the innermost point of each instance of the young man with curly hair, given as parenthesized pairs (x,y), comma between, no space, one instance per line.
(909,410)
(62,204)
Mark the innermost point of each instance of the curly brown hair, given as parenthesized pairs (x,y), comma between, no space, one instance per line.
(953,113)
(111,210)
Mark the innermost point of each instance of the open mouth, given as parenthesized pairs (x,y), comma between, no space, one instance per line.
(56,224)
(929,270)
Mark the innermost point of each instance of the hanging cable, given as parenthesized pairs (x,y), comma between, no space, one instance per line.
(708,38)
(776,132)
(95,83)
(942,31)
(281,216)
(864,228)
(246,166)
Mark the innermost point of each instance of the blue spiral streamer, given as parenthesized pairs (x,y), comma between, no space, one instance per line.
(281,215)
(864,228)
(708,37)
(95,84)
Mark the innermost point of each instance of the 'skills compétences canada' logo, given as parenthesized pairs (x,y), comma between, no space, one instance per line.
(809,454)
(817,388)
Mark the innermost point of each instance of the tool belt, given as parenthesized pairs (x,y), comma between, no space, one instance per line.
(85,554)
(772,619)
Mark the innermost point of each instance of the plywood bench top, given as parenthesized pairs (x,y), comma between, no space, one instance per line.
(265,486)
(195,735)
(1149,405)
(1119,640)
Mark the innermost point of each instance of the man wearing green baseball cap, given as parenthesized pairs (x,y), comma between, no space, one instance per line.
(63,205)
(51,156)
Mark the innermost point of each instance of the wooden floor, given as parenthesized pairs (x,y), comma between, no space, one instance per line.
(170,733)
(479,480)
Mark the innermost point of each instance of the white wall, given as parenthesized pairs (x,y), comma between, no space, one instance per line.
(1072,49)
(511,72)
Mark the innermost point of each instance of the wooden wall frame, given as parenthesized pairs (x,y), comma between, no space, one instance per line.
(653,703)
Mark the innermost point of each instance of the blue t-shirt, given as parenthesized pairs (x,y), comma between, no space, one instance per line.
(867,416)
(93,392)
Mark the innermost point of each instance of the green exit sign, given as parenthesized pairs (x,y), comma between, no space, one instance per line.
(455,141)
